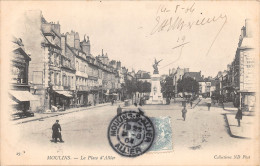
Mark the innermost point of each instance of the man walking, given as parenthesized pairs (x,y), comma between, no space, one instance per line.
(119,110)
(56,132)
(184,111)
(112,101)
(191,102)
(239,116)
(209,105)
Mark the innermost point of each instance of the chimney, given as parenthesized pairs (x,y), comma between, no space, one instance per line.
(102,53)
(70,39)
(77,41)
(86,45)
(63,44)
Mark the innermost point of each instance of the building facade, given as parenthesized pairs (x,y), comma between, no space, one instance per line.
(178,74)
(19,92)
(238,82)
(63,72)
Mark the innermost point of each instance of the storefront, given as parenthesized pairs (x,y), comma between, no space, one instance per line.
(20,90)
(247,100)
(62,99)
(21,99)
(93,97)
(82,98)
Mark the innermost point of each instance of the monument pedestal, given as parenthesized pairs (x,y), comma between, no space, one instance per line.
(156,96)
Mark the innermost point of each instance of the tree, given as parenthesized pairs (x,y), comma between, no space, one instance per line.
(188,84)
(131,88)
(167,87)
(146,87)
(139,85)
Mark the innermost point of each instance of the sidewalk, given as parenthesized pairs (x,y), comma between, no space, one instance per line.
(39,116)
(246,126)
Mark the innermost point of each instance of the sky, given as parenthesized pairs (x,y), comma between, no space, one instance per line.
(136,33)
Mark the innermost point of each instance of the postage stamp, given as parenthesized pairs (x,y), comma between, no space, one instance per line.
(131,133)
(163,134)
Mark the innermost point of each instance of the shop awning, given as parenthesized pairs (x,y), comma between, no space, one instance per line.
(64,93)
(23,95)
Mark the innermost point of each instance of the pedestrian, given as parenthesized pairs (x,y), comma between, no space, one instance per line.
(184,111)
(141,103)
(209,105)
(191,102)
(56,132)
(112,101)
(119,110)
(239,116)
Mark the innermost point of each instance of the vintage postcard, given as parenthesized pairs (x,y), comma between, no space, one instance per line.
(129,82)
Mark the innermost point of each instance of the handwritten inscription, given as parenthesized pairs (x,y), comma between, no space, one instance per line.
(168,19)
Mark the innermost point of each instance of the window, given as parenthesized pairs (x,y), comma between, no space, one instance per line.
(69,83)
(52,77)
(55,78)
(64,81)
(19,75)
(57,60)
(52,58)
(72,82)
(58,79)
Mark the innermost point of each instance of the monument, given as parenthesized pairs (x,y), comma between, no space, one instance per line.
(156,96)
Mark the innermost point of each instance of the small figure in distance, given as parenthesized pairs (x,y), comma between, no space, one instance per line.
(119,110)
(239,116)
(184,111)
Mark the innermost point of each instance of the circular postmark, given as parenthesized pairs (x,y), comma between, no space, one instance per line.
(131,134)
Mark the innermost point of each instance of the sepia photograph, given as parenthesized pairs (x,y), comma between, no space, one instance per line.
(129,82)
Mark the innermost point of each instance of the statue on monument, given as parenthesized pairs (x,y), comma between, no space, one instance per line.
(155,66)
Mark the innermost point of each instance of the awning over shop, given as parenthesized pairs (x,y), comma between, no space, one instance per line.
(64,93)
(23,95)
